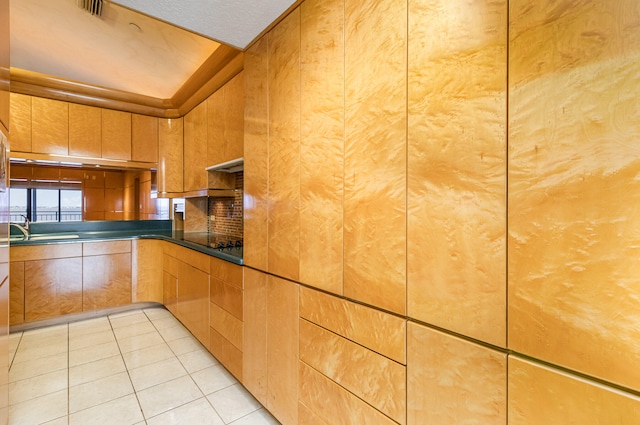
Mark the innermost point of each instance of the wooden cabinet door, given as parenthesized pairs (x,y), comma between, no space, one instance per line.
(225,121)
(170,156)
(195,148)
(193,301)
(144,138)
(85,131)
(147,274)
(16,293)
(20,122)
(49,126)
(106,280)
(53,287)
(116,135)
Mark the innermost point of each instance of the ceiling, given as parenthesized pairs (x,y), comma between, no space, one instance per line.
(144,47)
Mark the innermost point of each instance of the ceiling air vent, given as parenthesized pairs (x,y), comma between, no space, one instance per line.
(92,6)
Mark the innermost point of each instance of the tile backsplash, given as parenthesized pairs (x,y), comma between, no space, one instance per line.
(227,212)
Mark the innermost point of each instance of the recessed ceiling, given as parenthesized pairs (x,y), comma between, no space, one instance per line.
(144,47)
(233,22)
(57,38)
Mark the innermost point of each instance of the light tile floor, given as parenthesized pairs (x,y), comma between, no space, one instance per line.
(133,368)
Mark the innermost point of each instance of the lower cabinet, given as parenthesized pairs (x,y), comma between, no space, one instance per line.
(226,314)
(52,280)
(270,342)
(106,274)
(186,288)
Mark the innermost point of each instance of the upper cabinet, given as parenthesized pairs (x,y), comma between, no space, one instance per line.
(85,131)
(195,148)
(225,109)
(49,126)
(42,126)
(170,156)
(144,138)
(116,135)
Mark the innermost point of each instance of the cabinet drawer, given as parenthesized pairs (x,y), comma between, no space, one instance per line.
(103,248)
(42,252)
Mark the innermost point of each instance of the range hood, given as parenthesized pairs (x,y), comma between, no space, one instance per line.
(232,166)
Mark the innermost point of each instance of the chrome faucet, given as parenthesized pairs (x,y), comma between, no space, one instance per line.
(27,222)
(25,231)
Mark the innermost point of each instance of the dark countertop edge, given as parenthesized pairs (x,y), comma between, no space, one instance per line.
(214,252)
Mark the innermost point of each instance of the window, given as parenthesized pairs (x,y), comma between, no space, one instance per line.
(42,205)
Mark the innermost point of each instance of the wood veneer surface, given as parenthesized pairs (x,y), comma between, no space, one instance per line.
(456,237)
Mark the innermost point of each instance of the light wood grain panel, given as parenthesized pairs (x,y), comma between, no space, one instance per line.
(368,375)
(16,292)
(215,128)
(193,301)
(254,353)
(456,242)
(227,297)
(49,126)
(233,131)
(92,179)
(20,122)
(256,155)
(196,214)
(539,395)
(307,417)
(170,155)
(453,381)
(85,131)
(116,134)
(284,147)
(225,324)
(106,281)
(374,329)
(144,138)
(282,349)
(170,291)
(573,196)
(114,201)
(375,153)
(106,247)
(194,258)
(195,148)
(227,272)
(333,404)
(226,353)
(147,270)
(114,179)
(45,252)
(52,288)
(322,143)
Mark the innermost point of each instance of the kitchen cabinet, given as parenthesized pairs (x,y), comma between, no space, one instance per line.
(20,122)
(144,138)
(539,394)
(322,143)
(147,270)
(195,148)
(375,144)
(475,377)
(170,157)
(226,314)
(56,279)
(186,276)
(270,343)
(49,126)
(16,292)
(284,148)
(457,141)
(225,138)
(116,135)
(85,131)
(106,277)
(52,279)
(256,155)
(333,332)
